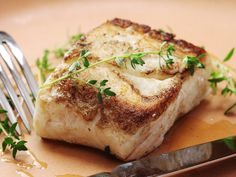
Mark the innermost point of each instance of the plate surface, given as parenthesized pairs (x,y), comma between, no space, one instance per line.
(38,25)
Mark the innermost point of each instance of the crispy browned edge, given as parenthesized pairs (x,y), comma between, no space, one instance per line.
(158,35)
(120,114)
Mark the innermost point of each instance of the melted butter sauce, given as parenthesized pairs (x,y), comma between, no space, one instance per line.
(27,160)
(206,122)
(36,162)
(17,163)
(24,163)
(23,173)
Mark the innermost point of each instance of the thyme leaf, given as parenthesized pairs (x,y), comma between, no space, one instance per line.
(101,89)
(59,52)
(92,82)
(108,92)
(103,83)
(136,59)
(229,55)
(11,141)
(76,37)
(229,142)
(192,62)
(86,62)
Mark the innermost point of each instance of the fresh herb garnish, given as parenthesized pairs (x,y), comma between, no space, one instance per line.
(136,59)
(101,89)
(84,53)
(44,66)
(2,111)
(135,56)
(229,55)
(192,62)
(76,65)
(215,78)
(75,38)
(169,61)
(59,52)
(11,140)
(168,53)
(223,76)
(230,143)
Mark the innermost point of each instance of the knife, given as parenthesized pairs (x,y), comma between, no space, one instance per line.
(176,162)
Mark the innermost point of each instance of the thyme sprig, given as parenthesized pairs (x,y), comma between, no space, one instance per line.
(135,59)
(82,63)
(168,53)
(101,89)
(44,66)
(76,65)
(43,63)
(191,62)
(11,140)
(229,55)
(222,75)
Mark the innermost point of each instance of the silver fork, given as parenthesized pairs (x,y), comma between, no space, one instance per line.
(10,51)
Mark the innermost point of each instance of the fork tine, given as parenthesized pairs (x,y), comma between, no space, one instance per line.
(7,107)
(14,98)
(14,48)
(20,84)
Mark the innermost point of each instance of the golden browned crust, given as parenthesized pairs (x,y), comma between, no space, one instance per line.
(158,34)
(130,117)
(79,97)
(114,111)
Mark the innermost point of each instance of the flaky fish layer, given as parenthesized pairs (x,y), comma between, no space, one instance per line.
(148,99)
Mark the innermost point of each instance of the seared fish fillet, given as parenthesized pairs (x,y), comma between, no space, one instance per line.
(148,98)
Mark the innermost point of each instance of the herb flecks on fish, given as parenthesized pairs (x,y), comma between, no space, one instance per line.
(102,90)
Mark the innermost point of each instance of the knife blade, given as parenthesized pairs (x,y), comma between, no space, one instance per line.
(178,161)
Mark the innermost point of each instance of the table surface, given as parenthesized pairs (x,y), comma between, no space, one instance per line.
(38,25)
